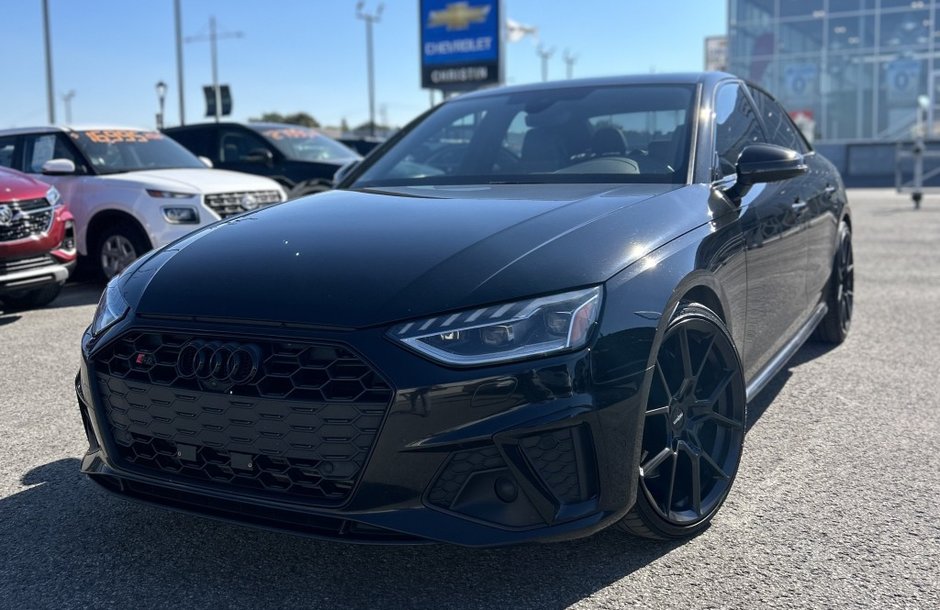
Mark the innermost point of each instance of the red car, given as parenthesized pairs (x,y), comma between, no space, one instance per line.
(37,241)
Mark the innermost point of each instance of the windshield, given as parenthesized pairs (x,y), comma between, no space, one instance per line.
(113,151)
(303,144)
(626,133)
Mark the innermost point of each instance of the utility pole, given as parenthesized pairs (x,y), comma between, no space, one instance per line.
(179,58)
(370,18)
(545,54)
(50,92)
(213,39)
(570,61)
(67,100)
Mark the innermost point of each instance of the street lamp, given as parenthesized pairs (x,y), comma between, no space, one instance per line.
(370,18)
(161,98)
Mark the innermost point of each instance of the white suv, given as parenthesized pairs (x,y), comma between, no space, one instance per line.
(131,190)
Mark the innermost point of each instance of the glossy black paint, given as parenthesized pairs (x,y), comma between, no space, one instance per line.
(343,266)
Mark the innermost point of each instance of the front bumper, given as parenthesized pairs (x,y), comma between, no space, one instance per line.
(35,277)
(531,451)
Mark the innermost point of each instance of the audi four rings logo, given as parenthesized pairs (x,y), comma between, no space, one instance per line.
(216,361)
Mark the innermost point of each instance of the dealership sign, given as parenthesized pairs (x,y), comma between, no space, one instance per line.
(461,45)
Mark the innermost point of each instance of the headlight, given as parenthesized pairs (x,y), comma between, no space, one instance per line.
(511,331)
(181,216)
(168,194)
(111,308)
(53,197)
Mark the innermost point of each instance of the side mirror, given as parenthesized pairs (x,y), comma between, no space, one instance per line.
(206,161)
(58,167)
(261,156)
(345,170)
(760,163)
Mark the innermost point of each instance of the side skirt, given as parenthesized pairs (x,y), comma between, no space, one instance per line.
(776,363)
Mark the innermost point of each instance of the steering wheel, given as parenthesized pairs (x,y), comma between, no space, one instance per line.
(448,158)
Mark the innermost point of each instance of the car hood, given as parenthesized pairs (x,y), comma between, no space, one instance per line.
(204,181)
(15,186)
(353,259)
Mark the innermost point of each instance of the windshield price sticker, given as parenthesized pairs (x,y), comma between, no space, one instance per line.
(117,136)
(295,133)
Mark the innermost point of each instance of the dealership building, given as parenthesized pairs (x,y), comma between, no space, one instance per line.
(850,71)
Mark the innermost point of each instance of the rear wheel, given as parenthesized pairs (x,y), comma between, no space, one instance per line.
(117,247)
(840,297)
(693,433)
(33,299)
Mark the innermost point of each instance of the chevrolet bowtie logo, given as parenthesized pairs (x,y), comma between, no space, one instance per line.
(458,16)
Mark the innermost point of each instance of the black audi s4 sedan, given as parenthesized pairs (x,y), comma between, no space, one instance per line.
(536,312)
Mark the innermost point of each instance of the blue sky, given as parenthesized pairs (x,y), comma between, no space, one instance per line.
(307,55)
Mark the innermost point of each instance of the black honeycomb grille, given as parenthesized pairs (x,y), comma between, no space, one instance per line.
(553,456)
(302,427)
(459,468)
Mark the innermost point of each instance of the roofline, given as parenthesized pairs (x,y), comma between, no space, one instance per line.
(672,78)
(14,131)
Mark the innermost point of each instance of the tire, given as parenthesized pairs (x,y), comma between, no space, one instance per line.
(117,247)
(40,297)
(840,293)
(693,433)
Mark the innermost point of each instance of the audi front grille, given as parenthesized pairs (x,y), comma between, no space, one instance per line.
(274,418)
(24,219)
(229,204)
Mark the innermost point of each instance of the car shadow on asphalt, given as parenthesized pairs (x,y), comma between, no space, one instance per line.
(67,542)
(759,405)
(73,295)
(7,318)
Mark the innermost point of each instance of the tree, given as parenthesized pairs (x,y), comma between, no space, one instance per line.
(298,118)
(344,126)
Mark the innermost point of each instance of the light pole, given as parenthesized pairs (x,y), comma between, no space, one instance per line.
(370,18)
(50,92)
(67,101)
(161,98)
(545,54)
(213,39)
(570,61)
(177,17)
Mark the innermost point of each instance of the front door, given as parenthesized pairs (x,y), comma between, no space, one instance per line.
(772,220)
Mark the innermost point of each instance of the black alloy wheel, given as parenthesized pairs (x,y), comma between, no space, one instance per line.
(834,327)
(693,433)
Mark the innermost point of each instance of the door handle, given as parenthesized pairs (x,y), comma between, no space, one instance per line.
(798,206)
(830,190)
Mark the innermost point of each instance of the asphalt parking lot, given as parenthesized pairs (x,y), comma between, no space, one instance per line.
(837,502)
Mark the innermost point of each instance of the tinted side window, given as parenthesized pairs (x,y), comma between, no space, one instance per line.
(42,148)
(236,144)
(780,129)
(736,126)
(7,145)
(197,141)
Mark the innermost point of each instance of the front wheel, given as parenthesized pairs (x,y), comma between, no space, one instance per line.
(693,433)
